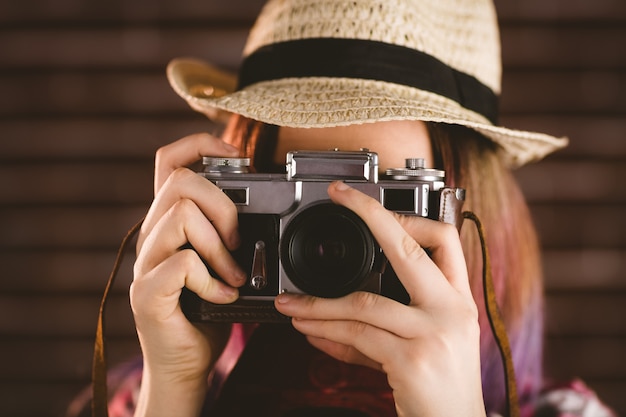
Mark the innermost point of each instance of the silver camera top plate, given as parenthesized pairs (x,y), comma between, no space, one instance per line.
(336,165)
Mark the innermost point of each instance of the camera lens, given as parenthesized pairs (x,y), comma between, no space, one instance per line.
(327,251)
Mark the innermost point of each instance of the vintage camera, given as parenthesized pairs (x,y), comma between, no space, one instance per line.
(295,239)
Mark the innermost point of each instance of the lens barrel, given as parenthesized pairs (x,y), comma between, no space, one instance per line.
(327,251)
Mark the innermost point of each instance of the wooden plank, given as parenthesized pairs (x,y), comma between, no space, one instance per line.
(53,397)
(31,361)
(539,91)
(82,93)
(42,399)
(62,11)
(562,47)
(585,269)
(70,227)
(96,138)
(63,316)
(560,10)
(563,226)
(591,136)
(100,137)
(122,182)
(568,314)
(84,271)
(574,181)
(148,93)
(564,362)
(61,327)
(76,183)
(597,358)
(586,315)
(589,226)
(130,48)
(85,47)
(61,368)
(57,272)
(58,360)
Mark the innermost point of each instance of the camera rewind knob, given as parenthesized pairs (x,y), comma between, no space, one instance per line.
(414,163)
(415,170)
(219,165)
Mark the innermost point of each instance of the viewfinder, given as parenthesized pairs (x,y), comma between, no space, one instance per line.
(399,199)
(239,196)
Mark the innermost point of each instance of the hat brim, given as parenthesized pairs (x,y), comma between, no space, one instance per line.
(325,102)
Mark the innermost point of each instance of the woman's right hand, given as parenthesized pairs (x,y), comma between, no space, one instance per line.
(178,355)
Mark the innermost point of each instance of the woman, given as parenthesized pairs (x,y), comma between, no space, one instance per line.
(403,78)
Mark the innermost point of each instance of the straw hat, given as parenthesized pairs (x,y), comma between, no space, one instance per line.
(323,63)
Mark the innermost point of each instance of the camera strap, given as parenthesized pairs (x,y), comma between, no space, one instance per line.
(99,401)
(496,322)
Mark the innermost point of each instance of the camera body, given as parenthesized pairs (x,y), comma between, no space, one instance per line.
(294,239)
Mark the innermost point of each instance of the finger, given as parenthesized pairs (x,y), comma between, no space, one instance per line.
(187,151)
(215,205)
(156,293)
(419,275)
(372,342)
(185,223)
(443,244)
(366,307)
(343,352)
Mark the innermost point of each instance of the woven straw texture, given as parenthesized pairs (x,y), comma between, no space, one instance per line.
(460,33)
(456,32)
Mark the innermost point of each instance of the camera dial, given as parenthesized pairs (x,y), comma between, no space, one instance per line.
(414,170)
(218,165)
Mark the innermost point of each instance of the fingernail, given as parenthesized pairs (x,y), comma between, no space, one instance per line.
(283,298)
(229,292)
(240,276)
(341,186)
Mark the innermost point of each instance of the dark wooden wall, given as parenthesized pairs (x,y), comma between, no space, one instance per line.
(84,104)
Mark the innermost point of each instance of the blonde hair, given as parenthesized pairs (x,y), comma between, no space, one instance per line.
(471,161)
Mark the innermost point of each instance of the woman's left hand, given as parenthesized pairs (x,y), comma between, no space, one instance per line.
(429,349)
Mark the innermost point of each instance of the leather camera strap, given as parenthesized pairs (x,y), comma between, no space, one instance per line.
(496,322)
(99,399)
(99,370)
